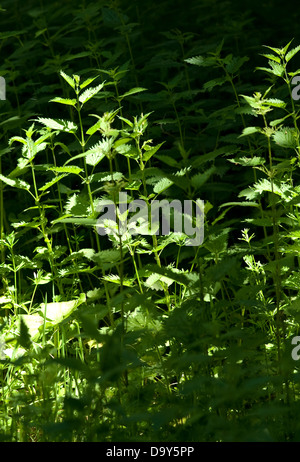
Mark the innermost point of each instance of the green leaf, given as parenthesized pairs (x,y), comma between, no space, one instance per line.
(73,56)
(275,122)
(87,82)
(155,281)
(78,205)
(235,64)
(33,323)
(167,160)
(208,86)
(248,161)
(17,138)
(78,156)
(95,127)
(56,312)
(133,185)
(200,61)
(129,151)
(106,176)
(9,34)
(162,185)
(272,57)
(24,339)
(291,53)
(94,156)
(293,309)
(286,137)
(115,278)
(89,93)
(274,102)
(77,221)
(20,184)
(170,273)
(286,47)
(242,204)
(74,364)
(276,50)
(121,141)
(67,169)
(99,151)
(5,300)
(52,182)
(58,124)
(67,101)
(198,180)
(126,121)
(276,69)
(132,92)
(22,261)
(280,188)
(210,156)
(250,131)
(295,73)
(68,79)
(150,152)
(217,243)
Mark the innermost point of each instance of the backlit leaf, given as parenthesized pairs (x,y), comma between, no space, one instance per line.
(58,311)
(89,93)
(66,101)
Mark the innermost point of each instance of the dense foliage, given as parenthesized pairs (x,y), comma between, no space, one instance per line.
(129,337)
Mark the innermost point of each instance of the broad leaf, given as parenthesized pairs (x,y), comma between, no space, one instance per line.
(68,79)
(89,93)
(286,137)
(132,92)
(149,152)
(20,184)
(66,101)
(162,185)
(58,311)
(33,323)
(67,169)
(250,131)
(52,182)
(58,124)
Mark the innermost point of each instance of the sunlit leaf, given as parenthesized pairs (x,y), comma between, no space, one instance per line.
(58,311)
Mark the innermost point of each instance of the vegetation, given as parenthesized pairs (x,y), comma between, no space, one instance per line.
(134,337)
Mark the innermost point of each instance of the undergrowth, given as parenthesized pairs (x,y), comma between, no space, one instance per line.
(136,337)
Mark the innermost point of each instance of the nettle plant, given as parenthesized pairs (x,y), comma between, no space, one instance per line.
(133,335)
(269,296)
(46,320)
(276,194)
(81,207)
